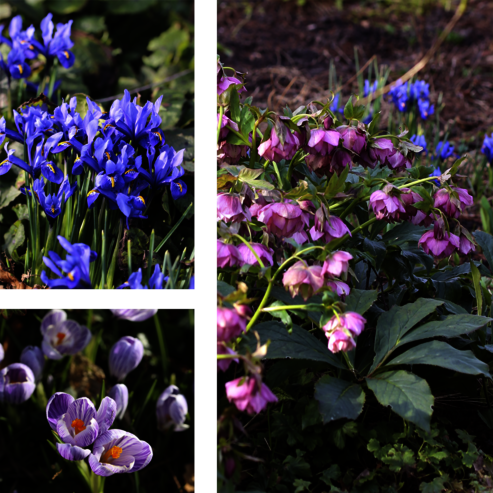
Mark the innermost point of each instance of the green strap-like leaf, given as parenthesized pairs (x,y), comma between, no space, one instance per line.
(408,395)
(338,398)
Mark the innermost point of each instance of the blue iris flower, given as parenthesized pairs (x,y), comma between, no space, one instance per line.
(400,96)
(405,95)
(73,272)
(52,203)
(444,150)
(436,172)
(420,140)
(192,283)
(425,108)
(16,62)
(157,281)
(487,148)
(369,88)
(334,107)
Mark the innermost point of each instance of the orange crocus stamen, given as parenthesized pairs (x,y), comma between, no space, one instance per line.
(78,425)
(60,337)
(112,453)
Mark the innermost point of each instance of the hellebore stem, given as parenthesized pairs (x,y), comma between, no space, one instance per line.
(252,250)
(221,111)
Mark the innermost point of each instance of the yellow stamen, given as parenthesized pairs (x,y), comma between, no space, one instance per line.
(159,135)
(53,209)
(108,155)
(142,198)
(66,54)
(63,143)
(51,168)
(108,125)
(70,276)
(91,192)
(78,425)
(3,162)
(20,68)
(179,186)
(132,170)
(112,181)
(112,453)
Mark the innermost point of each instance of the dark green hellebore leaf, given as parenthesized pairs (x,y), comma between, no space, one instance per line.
(14,237)
(360,301)
(338,399)
(408,395)
(485,241)
(348,109)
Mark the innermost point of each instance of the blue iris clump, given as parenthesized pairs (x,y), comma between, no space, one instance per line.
(405,96)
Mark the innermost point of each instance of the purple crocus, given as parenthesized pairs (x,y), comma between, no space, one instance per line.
(249,395)
(119,393)
(283,219)
(125,356)
(17,383)
(264,253)
(117,451)
(437,241)
(34,358)
(133,315)
(228,255)
(171,410)
(2,352)
(273,149)
(230,324)
(452,201)
(230,208)
(386,204)
(332,228)
(303,279)
(336,263)
(62,336)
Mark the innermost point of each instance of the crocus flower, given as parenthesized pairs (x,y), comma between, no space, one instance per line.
(386,204)
(133,315)
(303,279)
(436,172)
(439,242)
(125,356)
(62,336)
(336,263)
(283,219)
(33,357)
(249,395)
(332,228)
(117,451)
(2,353)
(274,149)
(228,255)
(487,148)
(17,383)
(264,254)
(119,393)
(452,202)
(171,410)
(223,364)
(230,208)
(76,266)
(230,324)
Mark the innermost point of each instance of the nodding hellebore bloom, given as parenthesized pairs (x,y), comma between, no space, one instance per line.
(117,451)
(303,279)
(341,329)
(283,219)
(249,395)
(61,336)
(157,281)
(223,82)
(125,356)
(228,255)
(336,264)
(332,228)
(119,393)
(171,410)
(133,315)
(438,242)
(486,149)
(33,357)
(17,383)
(223,364)
(276,148)
(452,201)
(75,265)
(386,203)
(263,252)
(77,422)
(230,324)
(230,208)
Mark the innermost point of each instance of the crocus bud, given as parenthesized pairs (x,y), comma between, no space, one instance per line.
(119,393)
(440,243)
(248,395)
(229,324)
(283,219)
(125,356)
(452,202)
(17,383)
(230,208)
(303,279)
(171,410)
(274,150)
(2,352)
(351,321)
(386,204)
(228,255)
(340,341)
(336,263)
(264,253)
(332,228)
(33,357)
(223,364)
(133,315)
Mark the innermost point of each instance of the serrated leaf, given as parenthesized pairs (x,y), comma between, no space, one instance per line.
(408,395)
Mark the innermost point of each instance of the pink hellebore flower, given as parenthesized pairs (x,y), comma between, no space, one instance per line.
(377,151)
(230,208)
(228,255)
(466,246)
(340,331)
(385,205)
(323,141)
(332,228)
(336,264)
(340,341)
(353,138)
(453,203)
(264,253)
(409,198)
(228,154)
(230,324)
(273,150)
(224,82)
(248,395)
(283,218)
(439,242)
(397,161)
(302,279)
(340,288)
(223,364)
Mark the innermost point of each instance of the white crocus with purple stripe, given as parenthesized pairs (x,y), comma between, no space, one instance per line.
(119,393)
(171,410)
(62,336)
(133,315)
(17,383)
(118,451)
(125,356)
